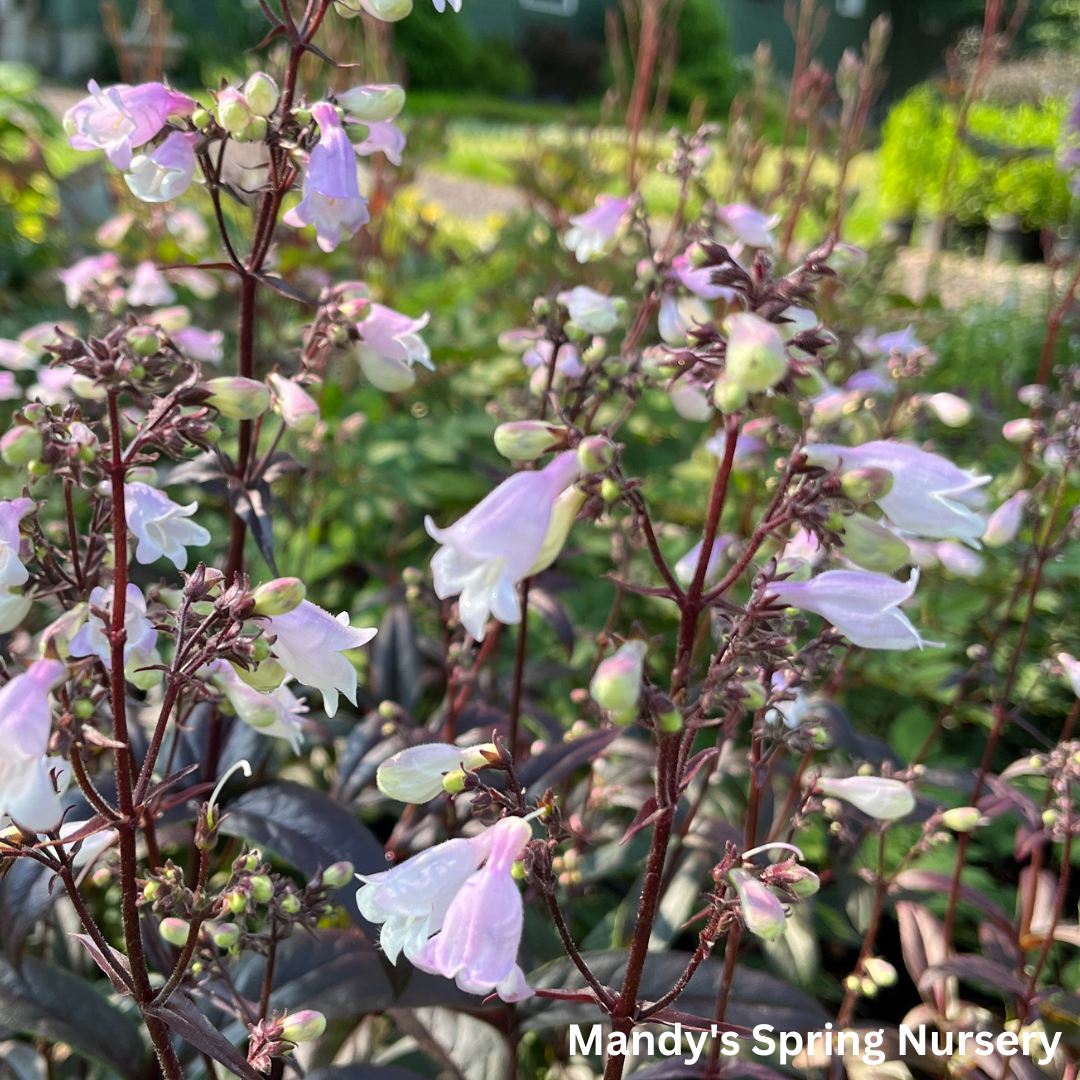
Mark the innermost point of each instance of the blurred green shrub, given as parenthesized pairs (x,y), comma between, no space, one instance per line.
(705,67)
(1005,167)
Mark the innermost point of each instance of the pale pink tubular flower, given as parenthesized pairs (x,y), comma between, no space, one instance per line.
(382,136)
(310,643)
(749,226)
(148,287)
(166,172)
(1004,523)
(27,793)
(481,931)
(161,526)
(395,336)
(92,639)
(122,118)
(864,607)
(1071,666)
(591,232)
(698,280)
(206,346)
(332,201)
(498,543)
(12,571)
(93,272)
(16,356)
(297,407)
(278,713)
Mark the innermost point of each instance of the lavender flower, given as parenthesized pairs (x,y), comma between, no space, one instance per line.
(590,233)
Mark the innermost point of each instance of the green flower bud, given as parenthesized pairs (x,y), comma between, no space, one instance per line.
(237,398)
(143,340)
(728,396)
(596,454)
(83,708)
(174,931)
(232,111)
(307,1025)
(236,902)
(616,686)
(873,547)
(868,987)
(762,911)
(226,936)
(866,485)
(290,904)
(338,875)
(251,861)
(526,440)
(262,94)
(20,445)
(265,677)
(262,888)
(755,694)
(38,468)
(755,359)
(256,129)
(880,971)
(279,597)
(802,882)
(961,819)
(453,782)
(609,489)
(151,891)
(201,119)
(671,722)
(302,116)
(373,104)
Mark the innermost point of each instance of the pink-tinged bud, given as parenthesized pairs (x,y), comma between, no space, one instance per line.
(762,911)
(20,445)
(303,1026)
(233,112)
(526,440)
(261,93)
(279,596)
(338,875)
(876,796)
(951,410)
(802,882)
(866,485)
(297,407)
(238,398)
(869,544)
(962,819)
(1019,431)
(415,775)
(1004,522)
(226,936)
(596,454)
(589,310)
(174,931)
(616,686)
(881,972)
(375,104)
(755,360)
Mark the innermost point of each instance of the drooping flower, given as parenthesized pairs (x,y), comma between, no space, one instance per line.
(385,137)
(951,410)
(567,360)
(864,607)
(498,543)
(12,571)
(959,560)
(1071,667)
(14,607)
(876,796)
(761,908)
(165,173)
(930,496)
(755,359)
(331,200)
(481,931)
(310,643)
(160,525)
(415,774)
(277,713)
(616,685)
(297,407)
(27,793)
(87,275)
(206,346)
(189,228)
(747,225)
(395,336)
(686,567)
(591,232)
(698,280)
(689,401)
(590,310)
(122,118)
(411,900)
(1004,523)
(148,287)
(92,638)
(670,322)
(901,342)
(373,103)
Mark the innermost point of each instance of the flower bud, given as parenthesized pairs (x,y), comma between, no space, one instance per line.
(256,130)
(385,10)
(880,971)
(290,904)
(951,410)
(233,113)
(261,93)
(873,547)
(20,445)
(415,775)
(265,677)
(1004,523)
(201,118)
(616,685)
(151,891)
(237,398)
(174,931)
(1019,431)
(225,936)
(802,882)
(526,440)
(876,796)
(756,359)
(596,454)
(563,514)
(671,721)
(762,911)
(262,888)
(454,782)
(961,819)
(866,485)
(143,341)
(303,1026)
(279,597)
(338,875)
(729,397)
(250,861)
(755,694)
(236,902)
(373,104)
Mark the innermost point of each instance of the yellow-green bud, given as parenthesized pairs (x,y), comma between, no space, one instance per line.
(517,871)
(20,445)
(262,888)
(670,722)
(83,708)
(453,782)
(256,129)
(236,902)
(755,694)
(755,358)
(802,882)
(262,94)
(237,398)
(151,890)
(526,440)
(304,1026)
(962,819)
(609,489)
(290,903)
(226,936)
(143,341)
(729,396)
(338,875)
(596,454)
(232,111)
(868,987)
(373,104)
(201,119)
(866,485)
(880,971)
(873,547)
(174,931)
(279,597)
(38,468)
(1050,818)
(264,677)
(251,861)
(616,685)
